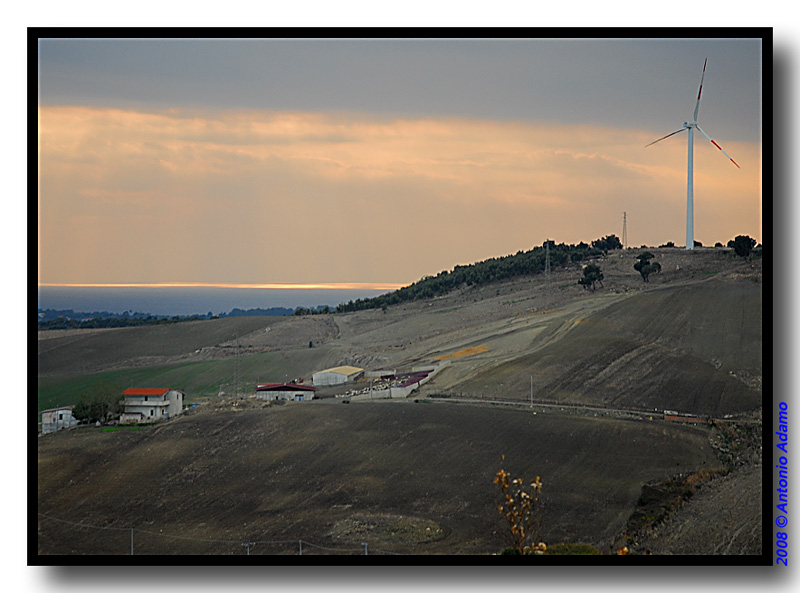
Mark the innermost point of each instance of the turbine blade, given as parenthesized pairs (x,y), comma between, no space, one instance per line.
(667,136)
(700,91)
(718,146)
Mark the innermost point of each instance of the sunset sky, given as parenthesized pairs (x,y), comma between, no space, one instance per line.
(380,161)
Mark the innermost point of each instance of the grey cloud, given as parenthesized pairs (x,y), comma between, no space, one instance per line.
(631,83)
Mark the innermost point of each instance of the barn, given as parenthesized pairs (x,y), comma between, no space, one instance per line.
(284,391)
(337,375)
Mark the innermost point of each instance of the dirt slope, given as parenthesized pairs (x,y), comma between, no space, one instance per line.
(325,472)
(724,517)
(694,348)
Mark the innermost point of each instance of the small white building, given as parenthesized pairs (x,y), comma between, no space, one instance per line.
(57,418)
(284,391)
(148,404)
(337,375)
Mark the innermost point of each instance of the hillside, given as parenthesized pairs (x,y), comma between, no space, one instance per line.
(330,474)
(690,339)
(614,343)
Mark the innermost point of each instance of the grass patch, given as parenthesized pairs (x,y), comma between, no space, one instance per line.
(198,380)
(116,428)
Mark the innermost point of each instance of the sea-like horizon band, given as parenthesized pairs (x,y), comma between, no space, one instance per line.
(273,286)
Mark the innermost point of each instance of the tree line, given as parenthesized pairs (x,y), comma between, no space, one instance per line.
(522,263)
(103,322)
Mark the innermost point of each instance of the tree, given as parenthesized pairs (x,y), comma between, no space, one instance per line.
(591,275)
(100,403)
(645,267)
(742,245)
(607,243)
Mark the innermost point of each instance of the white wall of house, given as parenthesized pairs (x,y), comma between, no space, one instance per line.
(298,395)
(56,419)
(151,408)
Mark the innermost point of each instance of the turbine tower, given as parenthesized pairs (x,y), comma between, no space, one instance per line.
(691,125)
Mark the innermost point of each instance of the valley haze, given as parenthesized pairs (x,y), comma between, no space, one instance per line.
(171,300)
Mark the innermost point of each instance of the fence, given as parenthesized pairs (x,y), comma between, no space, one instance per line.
(405,391)
(135,540)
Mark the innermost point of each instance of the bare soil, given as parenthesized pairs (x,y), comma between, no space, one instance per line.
(405,477)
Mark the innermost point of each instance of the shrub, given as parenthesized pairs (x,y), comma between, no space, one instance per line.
(521,511)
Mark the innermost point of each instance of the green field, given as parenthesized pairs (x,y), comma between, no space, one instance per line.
(197,380)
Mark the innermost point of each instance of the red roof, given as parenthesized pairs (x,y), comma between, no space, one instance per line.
(283,387)
(145,391)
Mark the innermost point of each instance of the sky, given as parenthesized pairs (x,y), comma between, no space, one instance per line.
(380,161)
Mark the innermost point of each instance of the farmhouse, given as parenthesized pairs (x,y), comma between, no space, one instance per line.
(57,418)
(337,375)
(284,391)
(146,404)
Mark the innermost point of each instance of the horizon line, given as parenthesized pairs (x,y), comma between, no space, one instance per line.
(262,286)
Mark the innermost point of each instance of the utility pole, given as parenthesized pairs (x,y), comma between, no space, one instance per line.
(237,373)
(624,230)
(531,390)
(547,259)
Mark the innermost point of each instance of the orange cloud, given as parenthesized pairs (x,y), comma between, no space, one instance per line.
(272,286)
(306,198)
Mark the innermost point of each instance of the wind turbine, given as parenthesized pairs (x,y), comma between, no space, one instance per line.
(691,125)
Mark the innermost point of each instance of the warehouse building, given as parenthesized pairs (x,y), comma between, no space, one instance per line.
(337,375)
(285,392)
